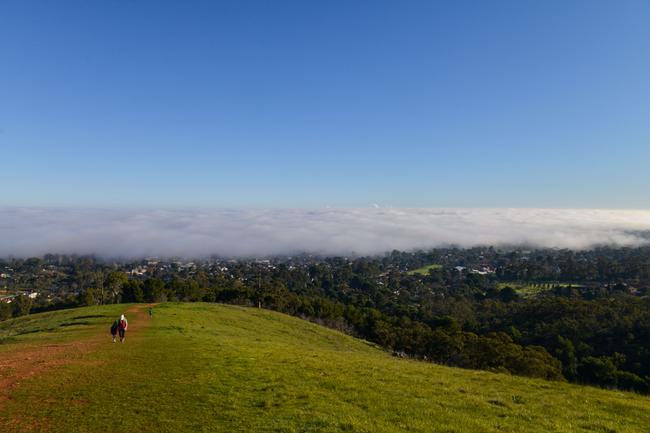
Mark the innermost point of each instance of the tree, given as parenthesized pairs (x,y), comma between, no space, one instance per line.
(5,311)
(566,353)
(21,305)
(132,291)
(153,289)
(98,279)
(599,370)
(508,294)
(114,282)
(88,297)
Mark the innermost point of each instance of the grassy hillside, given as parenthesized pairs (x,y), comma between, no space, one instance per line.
(424,270)
(533,289)
(215,368)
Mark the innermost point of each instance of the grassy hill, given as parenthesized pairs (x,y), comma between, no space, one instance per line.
(424,270)
(216,368)
(528,290)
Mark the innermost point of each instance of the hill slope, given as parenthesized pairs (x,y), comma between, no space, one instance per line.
(216,368)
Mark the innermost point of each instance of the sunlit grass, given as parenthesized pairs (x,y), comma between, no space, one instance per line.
(424,270)
(528,290)
(215,368)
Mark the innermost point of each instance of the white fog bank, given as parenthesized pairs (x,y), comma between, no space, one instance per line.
(253,232)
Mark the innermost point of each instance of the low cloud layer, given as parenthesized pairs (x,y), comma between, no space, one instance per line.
(245,232)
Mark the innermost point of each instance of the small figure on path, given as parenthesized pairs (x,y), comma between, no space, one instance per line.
(114,327)
(122,325)
(150,312)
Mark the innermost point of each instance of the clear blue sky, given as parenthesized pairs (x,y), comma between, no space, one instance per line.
(308,104)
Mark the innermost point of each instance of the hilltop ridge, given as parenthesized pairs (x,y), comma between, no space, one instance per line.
(218,368)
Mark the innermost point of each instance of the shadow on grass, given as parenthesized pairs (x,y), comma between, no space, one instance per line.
(74,324)
(6,340)
(91,316)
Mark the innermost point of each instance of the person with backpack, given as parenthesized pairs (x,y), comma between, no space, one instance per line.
(114,327)
(122,326)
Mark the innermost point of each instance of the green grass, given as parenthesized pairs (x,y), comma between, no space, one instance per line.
(424,270)
(216,368)
(533,289)
(57,326)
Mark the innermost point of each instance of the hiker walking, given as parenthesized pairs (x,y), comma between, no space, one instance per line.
(114,327)
(122,325)
(150,312)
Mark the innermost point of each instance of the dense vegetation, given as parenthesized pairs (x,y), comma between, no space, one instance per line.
(588,322)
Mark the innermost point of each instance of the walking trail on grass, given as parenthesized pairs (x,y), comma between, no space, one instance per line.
(29,361)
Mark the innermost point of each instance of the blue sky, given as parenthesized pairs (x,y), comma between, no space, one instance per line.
(310,104)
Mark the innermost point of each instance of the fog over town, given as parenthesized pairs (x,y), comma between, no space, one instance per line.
(133,233)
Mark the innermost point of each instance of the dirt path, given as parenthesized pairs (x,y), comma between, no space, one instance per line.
(31,361)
